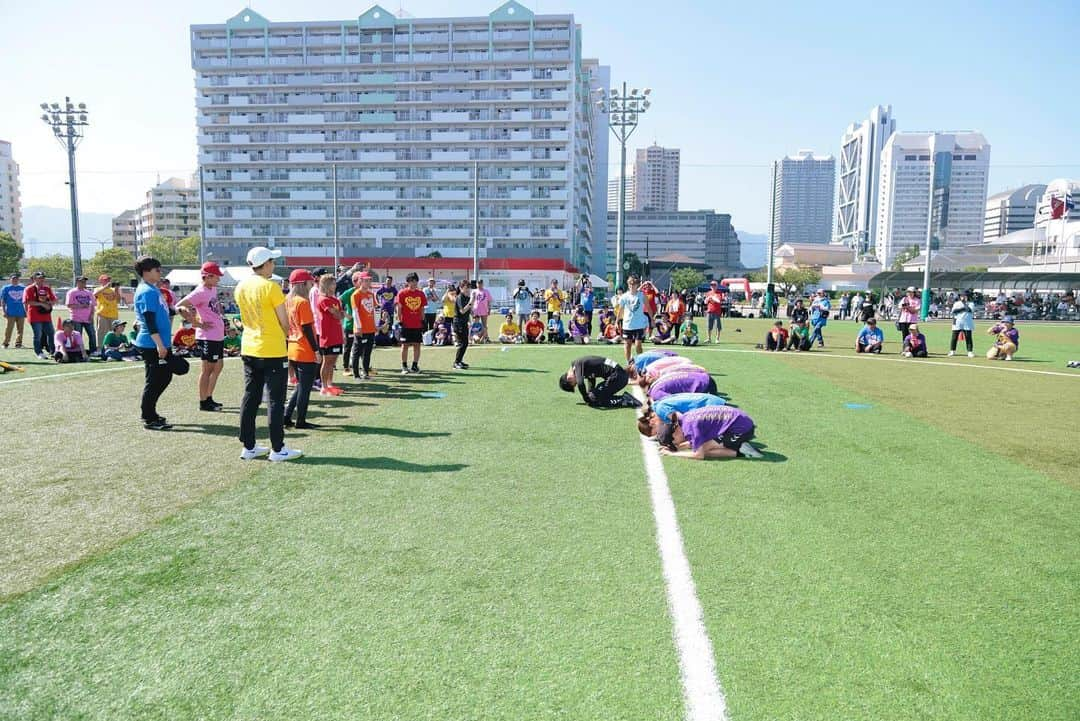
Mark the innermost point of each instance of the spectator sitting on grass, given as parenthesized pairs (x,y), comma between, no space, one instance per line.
(69,344)
(115,345)
(777,337)
(799,336)
(184,340)
(662,332)
(914,343)
(579,326)
(709,432)
(232,341)
(384,331)
(509,332)
(476,331)
(556,332)
(871,339)
(688,332)
(534,329)
(1007,341)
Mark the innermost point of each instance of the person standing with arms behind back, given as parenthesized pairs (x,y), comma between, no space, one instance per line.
(153,340)
(631,305)
(410,303)
(462,309)
(263,350)
(11,303)
(963,322)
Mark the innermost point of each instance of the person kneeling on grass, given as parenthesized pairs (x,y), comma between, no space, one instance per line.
(688,332)
(799,339)
(1007,341)
(509,331)
(658,414)
(115,345)
(871,339)
(534,329)
(711,432)
(777,337)
(914,343)
(584,374)
(69,344)
(680,381)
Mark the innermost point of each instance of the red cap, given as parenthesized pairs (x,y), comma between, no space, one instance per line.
(301,276)
(210,268)
(365,276)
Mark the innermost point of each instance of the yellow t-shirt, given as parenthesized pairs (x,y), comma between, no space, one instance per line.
(263,336)
(554,300)
(107,303)
(448,308)
(510,328)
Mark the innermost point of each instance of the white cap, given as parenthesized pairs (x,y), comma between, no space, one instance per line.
(911,289)
(259,255)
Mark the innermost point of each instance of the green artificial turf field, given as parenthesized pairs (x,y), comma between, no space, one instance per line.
(906,550)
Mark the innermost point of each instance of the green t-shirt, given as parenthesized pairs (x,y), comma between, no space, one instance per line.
(688,328)
(132,335)
(346,304)
(800,331)
(233,342)
(113,340)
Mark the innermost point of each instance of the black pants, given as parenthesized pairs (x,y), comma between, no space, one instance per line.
(88,328)
(429,321)
(346,355)
(262,373)
(362,348)
(301,395)
(903,328)
(462,332)
(967,340)
(771,343)
(915,352)
(158,377)
(604,392)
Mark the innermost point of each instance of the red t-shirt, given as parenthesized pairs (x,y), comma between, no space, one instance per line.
(331,332)
(534,328)
(412,304)
(167,297)
(650,301)
(44,294)
(185,337)
(714,302)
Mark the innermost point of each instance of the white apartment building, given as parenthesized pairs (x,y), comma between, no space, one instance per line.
(932,183)
(656,173)
(613,193)
(171,210)
(1011,210)
(125,231)
(10,202)
(404,108)
(802,202)
(860,167)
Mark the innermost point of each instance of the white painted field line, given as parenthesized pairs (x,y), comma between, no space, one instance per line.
(701,689)
(53,376)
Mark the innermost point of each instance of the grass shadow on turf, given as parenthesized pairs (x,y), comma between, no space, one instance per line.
(381,463)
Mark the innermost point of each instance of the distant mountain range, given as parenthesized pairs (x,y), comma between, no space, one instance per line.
(754,249)
(48,230)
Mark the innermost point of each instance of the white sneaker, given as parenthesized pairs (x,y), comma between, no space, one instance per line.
(1008,357)
(253,453)
(970,354)
(285,454)
(749,451)
(907,354)
(952,353)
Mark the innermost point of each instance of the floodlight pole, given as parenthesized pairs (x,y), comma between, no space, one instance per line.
(67,123)
(766,310)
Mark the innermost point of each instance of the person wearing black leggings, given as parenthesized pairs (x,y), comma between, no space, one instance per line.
(462,310)
(963,322)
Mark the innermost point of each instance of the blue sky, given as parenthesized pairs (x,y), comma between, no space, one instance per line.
(735,85)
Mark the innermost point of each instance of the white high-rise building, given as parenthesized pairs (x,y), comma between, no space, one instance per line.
(171,210)
(803,194)
(125,231)
(1011,210)
(613,193)
(860,167)
(404,108)
(656,179)
(10,202)
(931,183)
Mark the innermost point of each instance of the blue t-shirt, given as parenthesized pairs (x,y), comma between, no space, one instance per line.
(683,402)
(816,316)
(148,302)
(870,335)
(632,307)
(641,362)
(13,300)
(522,301)
(587,301)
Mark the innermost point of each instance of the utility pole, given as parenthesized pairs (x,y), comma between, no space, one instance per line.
(766,310)
(202,216)
(337,250)
(67,123)
(476,221)
(622,108)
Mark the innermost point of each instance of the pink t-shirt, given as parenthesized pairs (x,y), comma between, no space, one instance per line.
(205,302)
(909,309)
(80,303)
(71,342)
(657,367)
(481,301)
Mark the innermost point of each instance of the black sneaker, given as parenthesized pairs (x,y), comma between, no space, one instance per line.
(157,425)
(465,366)
(628,401)
(366,376)
(288,423)
(219,406)
(415,368)
(306,426)
(208,405)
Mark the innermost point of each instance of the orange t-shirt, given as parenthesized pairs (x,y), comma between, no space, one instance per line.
(299,311)
(363,310)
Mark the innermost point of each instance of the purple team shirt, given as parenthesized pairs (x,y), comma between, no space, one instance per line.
(680,382)
(80,303)
(702,425)
(205,302)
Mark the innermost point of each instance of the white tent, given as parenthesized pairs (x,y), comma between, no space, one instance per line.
(192,277)
(598,282)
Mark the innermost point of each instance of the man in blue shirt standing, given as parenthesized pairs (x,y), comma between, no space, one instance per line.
(153,340)
(819,316)
(11,303)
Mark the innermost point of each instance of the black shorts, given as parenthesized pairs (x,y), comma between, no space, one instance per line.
(732,441)
(412,335)
(211,350)
(330,350)
(632,335)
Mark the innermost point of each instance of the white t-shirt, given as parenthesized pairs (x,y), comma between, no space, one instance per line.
(963,317)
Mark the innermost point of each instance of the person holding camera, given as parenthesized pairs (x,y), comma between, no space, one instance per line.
(433,304)
(963,322)
(107,302)
(523,303)
(910,305)
(819,316)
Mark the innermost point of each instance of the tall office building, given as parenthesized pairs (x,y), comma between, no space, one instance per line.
(171,210)
(860,167)
(10,202)
(656,179)
(125,231)
(703,236)
(404,108)
(931,183)
(802,204)
(1011,210)
(613,193)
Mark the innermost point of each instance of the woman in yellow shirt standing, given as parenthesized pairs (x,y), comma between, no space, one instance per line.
(107,296)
